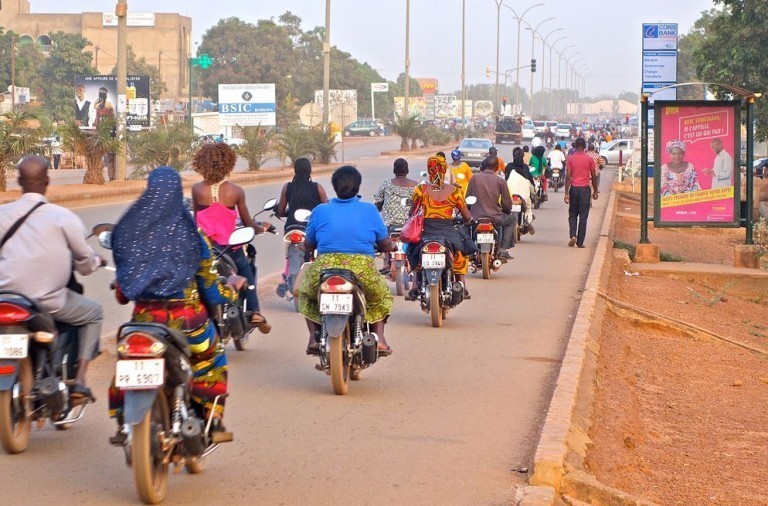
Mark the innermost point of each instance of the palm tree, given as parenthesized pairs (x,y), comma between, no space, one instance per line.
(93,145)
(407,129)
(258,146)
(17,139)
(171,145)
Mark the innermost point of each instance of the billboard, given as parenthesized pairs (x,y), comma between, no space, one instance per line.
(696,145)
(659,36)
(338,97)
(135,19)
(96,98)
(417,106)
(247,105)
(445,106)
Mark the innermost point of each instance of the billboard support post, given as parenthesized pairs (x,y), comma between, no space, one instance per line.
(644,169)
(121,11)
(750,170)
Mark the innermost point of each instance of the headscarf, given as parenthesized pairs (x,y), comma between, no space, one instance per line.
(155,245)
(675,144)
(436,169)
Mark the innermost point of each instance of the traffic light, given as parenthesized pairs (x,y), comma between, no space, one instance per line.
(533,64)
(488,71)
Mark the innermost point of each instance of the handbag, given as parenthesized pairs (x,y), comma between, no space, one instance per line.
(413,228)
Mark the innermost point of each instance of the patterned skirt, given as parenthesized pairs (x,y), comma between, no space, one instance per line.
(209,362)
(377,297)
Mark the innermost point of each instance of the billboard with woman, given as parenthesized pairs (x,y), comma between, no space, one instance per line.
(697,163)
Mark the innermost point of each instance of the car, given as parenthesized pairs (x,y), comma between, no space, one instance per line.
(760,166)
(539,127)
(370,128)
(552,126)
(474,150)
(529,130)
(563,130)
(235,141)
(609,151)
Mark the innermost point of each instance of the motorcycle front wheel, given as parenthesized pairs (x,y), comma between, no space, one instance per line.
(15,422)
(339,362)
(435,308)
(149,472)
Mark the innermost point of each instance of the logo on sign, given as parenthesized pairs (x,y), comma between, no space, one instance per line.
(247,96)
(652,31)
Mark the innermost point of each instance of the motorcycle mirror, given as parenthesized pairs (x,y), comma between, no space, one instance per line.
(242,235)
(471,200)
(101,227)
(269,204)
(302,214)
(423,173)
(105,239)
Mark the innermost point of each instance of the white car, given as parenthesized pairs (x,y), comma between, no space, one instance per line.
(609,151)
(539,127)
(235,141)
(552,126)
(563,130)
(529,130)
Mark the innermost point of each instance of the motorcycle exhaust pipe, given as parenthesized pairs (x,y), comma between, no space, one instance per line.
(370,348)
(52,395)
(192,432)
(496,263)
(457,293)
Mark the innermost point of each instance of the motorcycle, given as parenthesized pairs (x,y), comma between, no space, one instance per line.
(293,239)
(233,320)
(399,270)
(346,344)
(160,425)
(556,179)
(38,364)
(538,195)
(487,237)
(519,206)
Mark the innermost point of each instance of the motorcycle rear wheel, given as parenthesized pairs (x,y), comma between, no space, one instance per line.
(149,472)
(400,276)
(339,362)
(485,261)
(15,427)
(435,308)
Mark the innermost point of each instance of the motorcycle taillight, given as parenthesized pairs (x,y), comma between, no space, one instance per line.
(485,227)
(139,344)
(433,247)
(295,237)
(516,199)
(11,313)
(336,284)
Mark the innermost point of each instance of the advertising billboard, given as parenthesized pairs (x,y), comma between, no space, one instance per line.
(247,105)
(659,36)
(696,147)
(96,98)
(339,97)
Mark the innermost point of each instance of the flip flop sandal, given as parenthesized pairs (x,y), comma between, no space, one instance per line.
(313,349)
(385,352)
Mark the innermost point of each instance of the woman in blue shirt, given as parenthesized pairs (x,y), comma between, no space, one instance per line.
(345,231)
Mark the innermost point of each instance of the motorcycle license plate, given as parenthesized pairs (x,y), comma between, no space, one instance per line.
(401,247)
(484,238)
(336,303)
(429,261)
(139,374)
(13,345)
(516,208)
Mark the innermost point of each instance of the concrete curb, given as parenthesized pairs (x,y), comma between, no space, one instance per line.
(420,151)
(551,451)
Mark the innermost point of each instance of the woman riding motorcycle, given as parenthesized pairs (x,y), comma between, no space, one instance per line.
(165,266)
(345,232)
(217,203)
(439,201)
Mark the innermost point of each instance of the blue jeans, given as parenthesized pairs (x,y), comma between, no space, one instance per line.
(244,269)
(578,212)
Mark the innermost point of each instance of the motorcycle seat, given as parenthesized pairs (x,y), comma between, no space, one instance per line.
(344,273)
(176,337)
(41,319)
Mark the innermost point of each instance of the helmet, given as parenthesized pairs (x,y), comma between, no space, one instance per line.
(456,155)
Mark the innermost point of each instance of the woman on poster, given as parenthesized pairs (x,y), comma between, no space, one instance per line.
(677,175)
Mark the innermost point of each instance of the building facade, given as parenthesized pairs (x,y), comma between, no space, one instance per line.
(162,39)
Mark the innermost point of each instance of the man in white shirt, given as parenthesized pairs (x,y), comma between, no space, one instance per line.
(722,167)
(85,113)
(556,161)
(37,261)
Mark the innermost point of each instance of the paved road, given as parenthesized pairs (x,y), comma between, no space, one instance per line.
(446,419)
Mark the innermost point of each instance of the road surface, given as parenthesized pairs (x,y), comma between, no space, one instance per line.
(447,419)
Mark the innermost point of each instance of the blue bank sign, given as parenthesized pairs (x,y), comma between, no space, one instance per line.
(247,105)
(660,37)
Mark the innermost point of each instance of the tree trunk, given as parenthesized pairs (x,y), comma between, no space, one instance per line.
(94,173)
(404,144)
(414,144)
(3,179)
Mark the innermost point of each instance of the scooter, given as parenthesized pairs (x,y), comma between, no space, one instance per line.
(556,180)
(487,237)
(294,255)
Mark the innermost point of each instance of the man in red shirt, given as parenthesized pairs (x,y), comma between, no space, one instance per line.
(580,173)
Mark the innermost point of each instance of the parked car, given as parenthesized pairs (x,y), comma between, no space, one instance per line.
(563,130)
(609,151)
(539,127)
(760,166)
(529,130)
(370,128)
(552,126)
(474,150)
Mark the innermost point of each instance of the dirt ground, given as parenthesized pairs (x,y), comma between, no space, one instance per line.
(679,420)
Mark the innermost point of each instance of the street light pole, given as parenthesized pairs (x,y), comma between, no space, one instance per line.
(519,19)
(327,67)
(533,53)
(463,59)
(565,81)
(121,11)
(551,91)
(543,49)
(499,3)
(407,57)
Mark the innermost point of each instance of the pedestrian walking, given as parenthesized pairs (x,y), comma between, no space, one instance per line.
(56,151)
(580,174)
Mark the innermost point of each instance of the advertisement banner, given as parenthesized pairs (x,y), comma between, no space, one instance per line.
(696,147)
(96,98)
(247,105)
(380,87)
(659,36)
(417,106)
(445,106)
(659,67)
(138,101)
(338,97)
(135,19)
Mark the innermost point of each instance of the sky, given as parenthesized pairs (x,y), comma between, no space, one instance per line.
(606,33)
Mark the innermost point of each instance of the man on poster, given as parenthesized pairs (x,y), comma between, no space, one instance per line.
(84,112)
(722,167)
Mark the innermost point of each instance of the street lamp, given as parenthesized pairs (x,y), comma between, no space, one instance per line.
(519,19)
(567,86)
(463,59)
(407,97)
(551,91)
(543,48)
(533,52)
(327,68)
(499,3)
(560,70)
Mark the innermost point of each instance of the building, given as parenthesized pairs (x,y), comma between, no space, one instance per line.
(162,39)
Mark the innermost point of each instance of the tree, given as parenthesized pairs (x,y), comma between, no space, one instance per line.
(93,145)
(408,129)
(18,138)
(140,67)
(68,58)
(687,47)
(629,96)
(171,145)
(257,147)
(733,52)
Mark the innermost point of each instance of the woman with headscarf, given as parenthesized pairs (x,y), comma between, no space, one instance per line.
(439,201)
(520,182)
(677,175)
(300,193)
(217,204)
(346,232)
(165,266)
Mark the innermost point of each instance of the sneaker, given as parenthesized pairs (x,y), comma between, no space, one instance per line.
(413,294)
(80,392)
(572,242)
(505,255)
(531,230)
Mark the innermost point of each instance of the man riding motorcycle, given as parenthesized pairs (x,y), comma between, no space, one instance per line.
(462,172)
(41,243)
(493,202)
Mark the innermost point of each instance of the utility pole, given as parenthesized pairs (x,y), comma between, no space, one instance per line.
(463,60)
(121,11)
(407,97)
(13,72)
(327,67)
(499,3)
